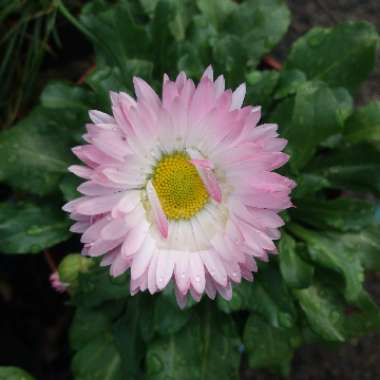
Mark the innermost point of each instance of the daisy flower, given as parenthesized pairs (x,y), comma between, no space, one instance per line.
(180,188)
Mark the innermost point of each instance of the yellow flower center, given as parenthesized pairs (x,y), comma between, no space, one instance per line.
(181,191)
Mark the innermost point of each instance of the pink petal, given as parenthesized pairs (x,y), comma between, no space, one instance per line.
(81,171)
(93,232)
(119,266)
(219,85)
(98,205)
(142,258)
(182,271)
(181,299)
(214,266)
(79,227)
(115,229)
(99,117)
(165,267)
(210,181)
(158,213)
(238,97)
(134,240)
(205,164)
(197,272)
(208,73)
(225,291)
(152,285)
(100,247)
(145,92)
(210,288)
(93,189)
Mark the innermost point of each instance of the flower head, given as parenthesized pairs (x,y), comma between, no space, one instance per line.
(181,188)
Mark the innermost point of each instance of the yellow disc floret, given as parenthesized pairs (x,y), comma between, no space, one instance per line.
(181,191)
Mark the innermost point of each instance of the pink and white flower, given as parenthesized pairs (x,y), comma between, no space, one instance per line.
(181,188)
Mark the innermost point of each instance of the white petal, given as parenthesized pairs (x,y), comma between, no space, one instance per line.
(238,97)
(165,267)
(197,272)
(158,213)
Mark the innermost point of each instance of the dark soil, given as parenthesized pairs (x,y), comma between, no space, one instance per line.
(34,319)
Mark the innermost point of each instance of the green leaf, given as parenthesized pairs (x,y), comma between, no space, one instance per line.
(106,79)
(97,357)
(260,87)
(216,11)
(97,286)
(162,38)
(207,348)
(350,168)
(367,245)
(269,347)
(63,95)
(364,124)
(13,373)
(87,325)
(69,185)
(35,153)
(343,214)
(308,126)
(127,335)
(289,82)
(323,311)
(168,317)
(267,295)
(116,33)
(259,25)
(309,184)
(230,56)
(30,228)
(365,320)
(98,360)
(296,272)
(184,13)
(329,251)
(340,56)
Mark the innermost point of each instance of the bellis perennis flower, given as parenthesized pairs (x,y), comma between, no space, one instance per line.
(181,188)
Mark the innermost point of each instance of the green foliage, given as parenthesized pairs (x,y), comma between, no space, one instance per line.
(297,273)
(303,123)
(331,237)
(340,56)
(13,373)
(26,227)
(269,346)
(364,124)
(322,311)
(207,348)
(26,29)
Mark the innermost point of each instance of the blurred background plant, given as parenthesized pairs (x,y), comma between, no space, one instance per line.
(29,31)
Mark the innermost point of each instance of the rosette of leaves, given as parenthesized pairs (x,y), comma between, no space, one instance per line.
(313,291)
